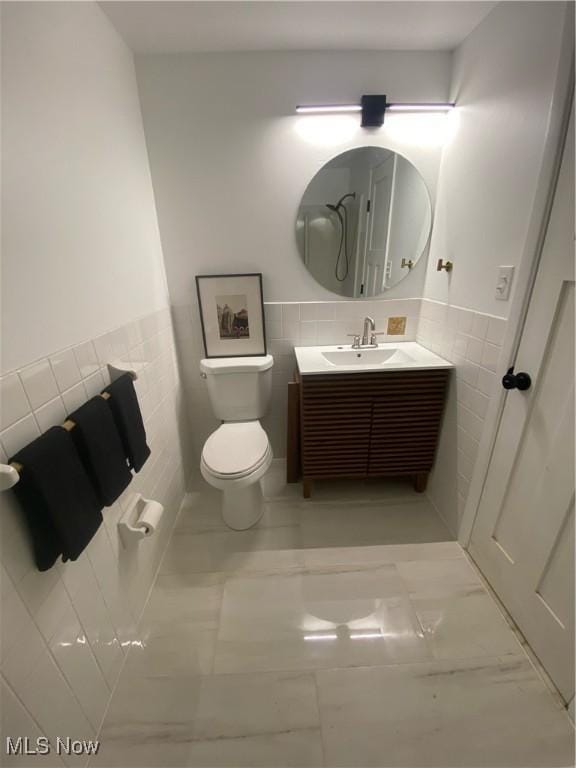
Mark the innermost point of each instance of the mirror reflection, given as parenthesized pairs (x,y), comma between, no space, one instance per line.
(364,221)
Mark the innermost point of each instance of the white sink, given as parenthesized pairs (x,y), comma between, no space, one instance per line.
(380,356)
(405,355)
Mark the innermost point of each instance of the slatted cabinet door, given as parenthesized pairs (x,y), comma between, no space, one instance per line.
(371,424)
(407,414)
(335,428)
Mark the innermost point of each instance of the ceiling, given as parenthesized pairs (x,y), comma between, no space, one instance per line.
(275,25)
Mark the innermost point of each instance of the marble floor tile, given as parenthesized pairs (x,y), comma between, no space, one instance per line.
(257,548)
(257,720)
(336,616)
(201,512)
(345,630)
(463,623)
(193,598)
(149,722)
(364,524)
(430,576)
(171,651)
(382,490)
(381,554)
(483,712)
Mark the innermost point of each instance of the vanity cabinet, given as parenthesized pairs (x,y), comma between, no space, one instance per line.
(361,425)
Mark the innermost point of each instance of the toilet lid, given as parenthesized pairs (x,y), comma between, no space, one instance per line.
(235,448)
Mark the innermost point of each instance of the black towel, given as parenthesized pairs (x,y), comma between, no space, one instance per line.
(61,507)
(100,449)
(126,411)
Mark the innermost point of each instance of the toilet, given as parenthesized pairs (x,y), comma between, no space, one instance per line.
(238,453)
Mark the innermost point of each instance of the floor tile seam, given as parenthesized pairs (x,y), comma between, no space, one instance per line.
(198,739)
(500,657)
(300,569)
(323,745)
(297,672)
(218,628)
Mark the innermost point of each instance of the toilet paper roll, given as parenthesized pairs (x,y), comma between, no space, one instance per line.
(150,516)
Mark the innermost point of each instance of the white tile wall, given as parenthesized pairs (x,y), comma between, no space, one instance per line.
(472,341)
(287,325)
(66,631)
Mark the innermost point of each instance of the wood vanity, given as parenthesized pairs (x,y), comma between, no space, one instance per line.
(365,424)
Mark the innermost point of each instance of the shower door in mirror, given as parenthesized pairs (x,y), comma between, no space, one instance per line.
(364,221)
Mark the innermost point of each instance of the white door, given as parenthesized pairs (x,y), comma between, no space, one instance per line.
(523,536)
(381,187)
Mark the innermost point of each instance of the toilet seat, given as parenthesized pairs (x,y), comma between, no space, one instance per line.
(236,450)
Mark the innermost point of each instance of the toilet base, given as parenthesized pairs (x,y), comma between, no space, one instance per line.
(242,508)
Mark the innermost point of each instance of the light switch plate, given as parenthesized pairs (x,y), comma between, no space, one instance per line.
(504,283)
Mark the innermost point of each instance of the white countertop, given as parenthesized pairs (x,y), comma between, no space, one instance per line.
(391,356)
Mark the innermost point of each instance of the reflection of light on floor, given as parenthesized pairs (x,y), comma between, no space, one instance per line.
(80,640)
(368,635)
(320,637)
(133,644)
(345,634)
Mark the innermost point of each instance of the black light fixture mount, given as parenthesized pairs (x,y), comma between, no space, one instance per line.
(373,109)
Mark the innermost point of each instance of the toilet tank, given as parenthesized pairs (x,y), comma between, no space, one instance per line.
(239,387)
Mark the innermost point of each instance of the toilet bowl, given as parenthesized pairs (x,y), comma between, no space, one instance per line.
(237,454)
(234,459)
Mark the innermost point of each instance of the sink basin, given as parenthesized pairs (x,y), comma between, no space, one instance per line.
(378,356)
(400,356)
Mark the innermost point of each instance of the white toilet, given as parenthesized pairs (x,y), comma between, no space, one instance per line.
(238,453)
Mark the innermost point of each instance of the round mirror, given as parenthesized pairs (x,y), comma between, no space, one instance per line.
(364,221)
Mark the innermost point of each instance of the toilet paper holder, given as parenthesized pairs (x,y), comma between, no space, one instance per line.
(140,520)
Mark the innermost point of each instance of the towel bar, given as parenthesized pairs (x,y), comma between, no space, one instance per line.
(10,473)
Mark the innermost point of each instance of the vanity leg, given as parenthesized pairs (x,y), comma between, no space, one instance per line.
(420,482)
(307,487)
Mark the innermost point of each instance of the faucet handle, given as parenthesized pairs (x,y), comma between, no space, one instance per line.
(374,334)
(356,340)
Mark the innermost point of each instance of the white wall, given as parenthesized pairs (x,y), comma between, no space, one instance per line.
(231,159)
(503,83)
(230,162)
(80,246)
(83,284)
(503,80)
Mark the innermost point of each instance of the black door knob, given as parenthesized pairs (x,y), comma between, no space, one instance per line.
(521,381)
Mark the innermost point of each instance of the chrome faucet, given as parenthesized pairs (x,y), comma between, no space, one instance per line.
(369,328)
(368,335)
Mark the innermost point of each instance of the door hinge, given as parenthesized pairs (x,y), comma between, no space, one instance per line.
(368,206)
(361,289)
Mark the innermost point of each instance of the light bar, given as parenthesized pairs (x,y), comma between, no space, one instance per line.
(440,107)
(373,109)
(316,108)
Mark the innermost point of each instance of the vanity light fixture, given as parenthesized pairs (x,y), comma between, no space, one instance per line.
(374,107)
